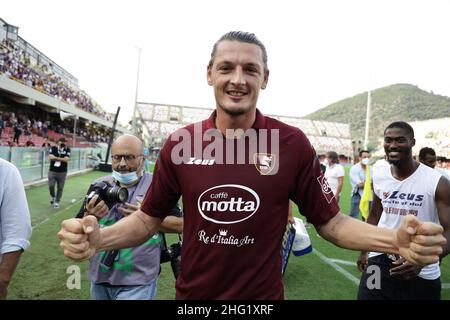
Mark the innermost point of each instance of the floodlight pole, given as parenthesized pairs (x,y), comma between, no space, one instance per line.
(134,129)
(366,135)
(75,118)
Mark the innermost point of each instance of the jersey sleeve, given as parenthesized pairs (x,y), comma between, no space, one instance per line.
(164,192)
(14,214)
(311,193)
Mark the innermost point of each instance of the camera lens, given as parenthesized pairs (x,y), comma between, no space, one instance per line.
(122,194)
(117,194)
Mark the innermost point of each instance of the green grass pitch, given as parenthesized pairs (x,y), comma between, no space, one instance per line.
(328,273)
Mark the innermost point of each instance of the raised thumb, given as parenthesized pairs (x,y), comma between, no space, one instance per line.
(412,224)
(89,223)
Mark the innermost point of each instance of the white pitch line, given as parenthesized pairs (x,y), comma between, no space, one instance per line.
(344,262)
(56,213)
(336,267)
(345,273)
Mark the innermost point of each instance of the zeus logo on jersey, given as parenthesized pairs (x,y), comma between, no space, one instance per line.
(406,196)
(202,162)
(228,203)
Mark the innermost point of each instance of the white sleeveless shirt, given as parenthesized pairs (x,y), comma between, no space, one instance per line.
(415,195)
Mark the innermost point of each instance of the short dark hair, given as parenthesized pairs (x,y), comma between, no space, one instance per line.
(240,36)
(402,125)
(424,151)
(333,156)
(362,151)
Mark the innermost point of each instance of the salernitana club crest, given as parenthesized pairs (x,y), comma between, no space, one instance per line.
(264,162)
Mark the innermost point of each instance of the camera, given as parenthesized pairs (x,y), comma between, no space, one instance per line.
(172,254)
(108,259)
(108,193)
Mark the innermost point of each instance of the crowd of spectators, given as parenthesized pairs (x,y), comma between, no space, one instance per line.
(19,66)
(19,130)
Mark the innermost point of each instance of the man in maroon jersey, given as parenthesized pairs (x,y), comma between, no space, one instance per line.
(236,172)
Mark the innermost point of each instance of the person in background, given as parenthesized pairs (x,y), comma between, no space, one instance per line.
(130,273)
(405,188)
(15,224)
(59,158)
(357,180)
(427,156)
(334,173)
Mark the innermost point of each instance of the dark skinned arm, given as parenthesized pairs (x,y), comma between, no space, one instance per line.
(7,267)
(443,207)
(374,217)
(405,270)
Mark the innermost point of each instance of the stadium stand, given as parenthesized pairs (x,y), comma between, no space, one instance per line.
(434,133)
(36,89)
(160,120)
(22,64)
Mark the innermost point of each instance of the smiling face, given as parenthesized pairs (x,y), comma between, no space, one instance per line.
(237,74)
(398,145)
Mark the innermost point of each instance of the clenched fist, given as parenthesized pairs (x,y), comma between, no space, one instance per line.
(419,242)
(80,238)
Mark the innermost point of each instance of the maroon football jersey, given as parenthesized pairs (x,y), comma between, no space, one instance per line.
(235,214)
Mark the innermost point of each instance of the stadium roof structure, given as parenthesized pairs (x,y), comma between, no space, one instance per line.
(159,120)
(10,32)
(433,133)
(26,95)
(21,93)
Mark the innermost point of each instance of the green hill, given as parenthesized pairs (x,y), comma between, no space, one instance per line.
(404,102)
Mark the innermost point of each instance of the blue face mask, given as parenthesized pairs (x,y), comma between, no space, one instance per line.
(125,178)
